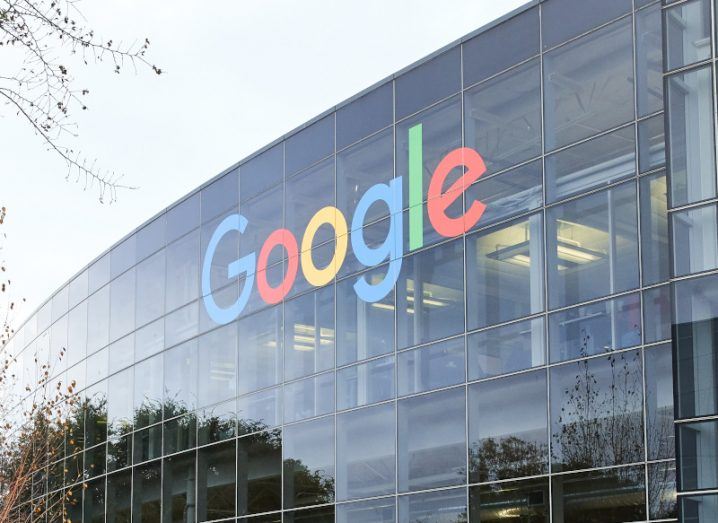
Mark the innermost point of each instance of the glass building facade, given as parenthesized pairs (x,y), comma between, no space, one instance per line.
(555,359)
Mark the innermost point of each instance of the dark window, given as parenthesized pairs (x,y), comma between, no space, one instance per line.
(659,402)
(428,83)
(564,19)
(260,350)
(621,490)
(119,491)
(432,440)
(372,511)
(588,84)
(309,145)
(450,504)
(594,421)
(180,434)
(697,444)
(365,115)
(502,117)
(505,272)
(220,196)
(699,509)
(259,473)
(183,217)
(93,506)
(216,469)
(119,453)
(655,260)
(431,367)
(500,47)
(309,463)
(312,515)
(662,502)
(524,500)
(178,496)
(147,444)
(508,428)
(217,423)
(506,349)
(147,493)
(261,172)
(366,456)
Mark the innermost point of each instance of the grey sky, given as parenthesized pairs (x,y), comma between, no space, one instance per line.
(239,74)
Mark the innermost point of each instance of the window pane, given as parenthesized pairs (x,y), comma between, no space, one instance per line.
(259,411)
(98,274)
(226,252)
(432,440)
(221,195)
(564,19)
(505,272)
(120,412)
(178,488)
(431,367)
(309,145)
(182,218)
(365,383)
(440,133)
(508,428)
(309,333)
(690,132)
(309,397)
(654,228)
(659,402)
(429,82)
(651,143)
(373,511)
(122,305)
(150,289)
(506,349)
(259,473)
(502,117)
(508,194)
(260,350)
(695,332)
(150,238)
(180,370)
(449,504)
(595,328)
(305,194)
(179,434)
(698,455)
(261,172)
(598,162)
(695,240)
(98,319)
(364,330)
(594,422)
(491,51)
(657,314)
(688,33)
(217,423)
(699,509)
(147,444)
(182,271)
(430,295)
(148,391)
(216,469)
(362,166)
(147,492)
(366,457)
(309,463)
(264,216)
(592,246)
(119,452)
(93,505)
(312,515)
(218,365)
(363,116)
(622,491)
(649,60)
(525,500)
(119,490)
(122,257)
(662,502)
(588,84)
(78,289)
(149,340)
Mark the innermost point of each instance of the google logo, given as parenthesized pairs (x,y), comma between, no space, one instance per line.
(438,199)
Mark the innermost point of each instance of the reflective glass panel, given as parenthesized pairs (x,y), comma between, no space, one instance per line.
(259,473)
(431,367)
(261,172)
(564,19)
(304,195)
(651,143)
(363,116)
(309,145)
(450,504)
(260,350)
(695,240)
(216,482)
(218,365)
(523,500)
(659,402)
(649,60)
(698,451)
(655,260)
(428,83)
(178,496)
(365,383)
(180,376)
(148,391)
(657,314)
(182,271)
(688,33)
(150,288)
(309,397)
(119,496)
(147,498)
(373,511)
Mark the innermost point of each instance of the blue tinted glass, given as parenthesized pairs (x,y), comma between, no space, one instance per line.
(226,252)
(366,456)
(261,172)
(502,117)
(309,333)
(363,116)
(373,511)
(695,240)
(601,161)
(500,47)
(98,275)
(697,444)
(120,413)
(688,33)
(149,340)
(98,319)
(365,383)
(151,237)
(309,145)
(508,194)
(264,215)
(564,19)
(260,350)
(505,273)
(506,349)
(305,194)
(148,391)
(659,402)
(657,314)
(183,217)
(220,195)
(432,440)
(651,143)
(309,397)
(588,84)
(594,421)
(649,60)
(595,328)
(182,324)
(78,289)
(428,83)
(451,504)
(431,367)
(508,428)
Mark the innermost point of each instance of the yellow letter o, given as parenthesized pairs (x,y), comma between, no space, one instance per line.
(334,217)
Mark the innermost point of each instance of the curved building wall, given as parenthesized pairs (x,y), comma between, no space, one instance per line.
(444,300)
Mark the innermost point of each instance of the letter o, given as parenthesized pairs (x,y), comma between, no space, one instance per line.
(332,216)
(286,239)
